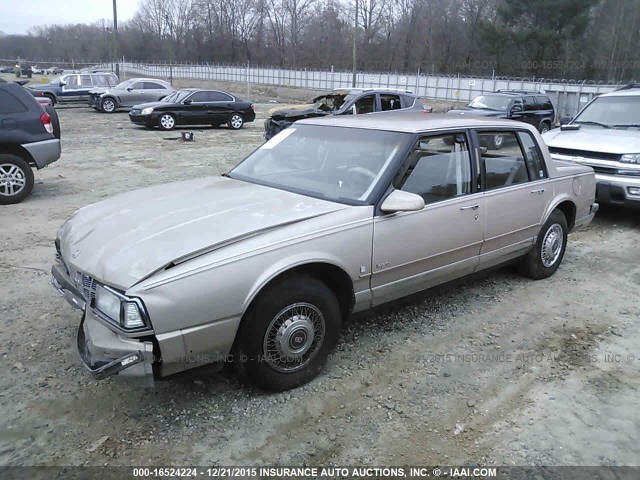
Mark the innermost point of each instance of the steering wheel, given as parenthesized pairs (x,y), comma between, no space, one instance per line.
(360,178)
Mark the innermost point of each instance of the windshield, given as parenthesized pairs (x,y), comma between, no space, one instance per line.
(57,80)
(491,102)
(333,163)
(622,111)
(176,97)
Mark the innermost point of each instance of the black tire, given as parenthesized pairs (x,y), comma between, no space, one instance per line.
(51,97)
(167,124)
(108,105)
(545,127)
(55,121)
(311,304)
(235,121)
(547,255)
(14,168)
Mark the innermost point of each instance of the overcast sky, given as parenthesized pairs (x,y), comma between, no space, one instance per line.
(18,16)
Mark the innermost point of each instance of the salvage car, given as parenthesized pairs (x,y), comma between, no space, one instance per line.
(74,88)
(343,102)
(194,106)
(129,93)
(262,265)
(605,135)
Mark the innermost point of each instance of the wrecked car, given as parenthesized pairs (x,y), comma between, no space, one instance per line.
(261,266)
(342,102)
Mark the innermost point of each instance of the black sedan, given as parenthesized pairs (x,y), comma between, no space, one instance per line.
(194,107)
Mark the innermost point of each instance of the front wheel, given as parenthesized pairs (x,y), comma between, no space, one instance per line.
(108,105)
(544,127)
(546,256)
(286,336)
(16,179)
(235,121)
(167,122)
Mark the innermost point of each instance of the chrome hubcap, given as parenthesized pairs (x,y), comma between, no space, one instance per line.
(108,105)
(167,121)
(236,121)
(12,179)
(552,245)
(294,337)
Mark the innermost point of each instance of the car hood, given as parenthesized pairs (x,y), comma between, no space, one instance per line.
(595,139)
(125,239)
(153,104)
(42,87)
(478,112)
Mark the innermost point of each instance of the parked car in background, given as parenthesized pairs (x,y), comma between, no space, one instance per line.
(37,70)
(193,106)
(7,69)
(74,88)
(605,135)
(129,93)
(332,216)
(531,107)
(54,71)
(32,141)
(342,102)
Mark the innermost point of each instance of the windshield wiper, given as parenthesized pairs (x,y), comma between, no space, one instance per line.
(588,122)
(623,125)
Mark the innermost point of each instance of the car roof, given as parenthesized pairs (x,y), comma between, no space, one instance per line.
(352,91)
(629,91)
(411,122)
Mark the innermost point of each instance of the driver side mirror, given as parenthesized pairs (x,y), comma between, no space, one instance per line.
(186,102)
(129,89)
(399,201)
(516,108)
(62,83)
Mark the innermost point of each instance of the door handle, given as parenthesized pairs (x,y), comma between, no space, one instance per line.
(470,207)
(539,191)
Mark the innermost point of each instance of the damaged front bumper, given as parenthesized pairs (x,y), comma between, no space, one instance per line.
(103,351)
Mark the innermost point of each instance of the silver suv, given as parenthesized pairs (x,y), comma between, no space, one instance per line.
(606,136)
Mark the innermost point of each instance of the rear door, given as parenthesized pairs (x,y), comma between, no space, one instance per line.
(416,250)
(220,106)
(154,91)
(531,112)
(195,111)
(516,195)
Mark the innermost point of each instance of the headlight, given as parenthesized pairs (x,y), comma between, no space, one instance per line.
(630,158)
(147,111)
(126,312)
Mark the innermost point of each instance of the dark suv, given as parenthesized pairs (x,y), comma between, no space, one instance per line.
(531,107)
(343,102)
(28,139)
(75,87)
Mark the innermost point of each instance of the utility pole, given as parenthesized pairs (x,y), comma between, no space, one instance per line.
(115,36)
(355,36)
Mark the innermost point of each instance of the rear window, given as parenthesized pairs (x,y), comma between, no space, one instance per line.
(10,104)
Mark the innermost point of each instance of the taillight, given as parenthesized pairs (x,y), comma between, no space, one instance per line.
(45,118)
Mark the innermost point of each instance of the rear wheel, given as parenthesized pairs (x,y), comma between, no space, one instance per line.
(108,105)
(544,127)
(167,122)
(16,179)
(51,97)
(287,334)
(235,121)
(547,255)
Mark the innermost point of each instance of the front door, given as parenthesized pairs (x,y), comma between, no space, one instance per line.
(517,194)
(70,90)
(416,250)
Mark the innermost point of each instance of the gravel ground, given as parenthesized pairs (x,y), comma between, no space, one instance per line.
(496,369)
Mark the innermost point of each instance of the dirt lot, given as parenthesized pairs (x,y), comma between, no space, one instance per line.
(495,370)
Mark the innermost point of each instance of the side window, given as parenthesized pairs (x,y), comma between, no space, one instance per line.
(219,97)
(137,86)
(10,104)
(544,102)
(85,80)
(199,97)
(366,104)
(439,169)
(504,167)
(72,81)
(533,156)
(389,102)
(529,104)
(153,86)
(517,105)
